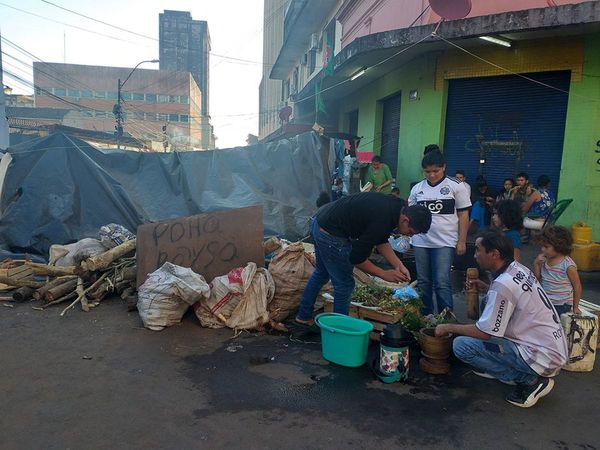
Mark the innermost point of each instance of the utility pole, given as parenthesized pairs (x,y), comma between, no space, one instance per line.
(118,112)
(4,131)
(118,107)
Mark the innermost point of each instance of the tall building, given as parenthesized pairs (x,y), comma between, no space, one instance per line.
(184,45)
(157,105)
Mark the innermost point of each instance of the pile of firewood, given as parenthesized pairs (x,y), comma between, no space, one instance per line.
(113,271)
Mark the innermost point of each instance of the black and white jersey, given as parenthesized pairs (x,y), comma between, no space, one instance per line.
(443,200)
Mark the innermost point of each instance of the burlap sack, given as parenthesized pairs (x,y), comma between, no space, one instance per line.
(290,268)
(251,312)
(237,300)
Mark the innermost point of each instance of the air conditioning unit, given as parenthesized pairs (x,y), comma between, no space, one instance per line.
(314,42)
(304,60)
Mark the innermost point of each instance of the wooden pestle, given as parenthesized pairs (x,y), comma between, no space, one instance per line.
(472,294)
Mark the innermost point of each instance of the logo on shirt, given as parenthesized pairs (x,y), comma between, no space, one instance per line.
(499,316)
(445,190)
(420,193)
(442,206)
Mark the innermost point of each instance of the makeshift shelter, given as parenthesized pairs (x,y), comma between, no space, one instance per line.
(59,189)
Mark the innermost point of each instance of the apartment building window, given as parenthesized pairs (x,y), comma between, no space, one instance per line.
(173,117)
(163,117)
(112,95)
(39,91)
(99,94)
(86,94)
(137,97)
(151,98)
(73,93)
(173,98)
(184,118)
(162,98)
(184,99)
(60,92)
(126,95)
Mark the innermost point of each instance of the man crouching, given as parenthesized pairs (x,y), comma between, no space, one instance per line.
(518,339)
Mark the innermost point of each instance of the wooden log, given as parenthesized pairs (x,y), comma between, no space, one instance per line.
(60,290)
(78,299)
(20,283)
(39,293)
(127,274)
(80,293)
(103,260)
(22,272)
(23,294)
(53,271)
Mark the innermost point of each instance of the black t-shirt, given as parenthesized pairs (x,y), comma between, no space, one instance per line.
(367,219)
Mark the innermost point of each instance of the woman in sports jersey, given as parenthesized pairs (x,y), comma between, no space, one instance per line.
(448,200)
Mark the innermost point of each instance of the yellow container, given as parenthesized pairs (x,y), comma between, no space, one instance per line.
(586,256)
(582,234)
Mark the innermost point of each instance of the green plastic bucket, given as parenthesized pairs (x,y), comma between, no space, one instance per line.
(344,339)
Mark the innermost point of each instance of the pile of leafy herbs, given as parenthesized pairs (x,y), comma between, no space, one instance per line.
(381,297)
(414,321)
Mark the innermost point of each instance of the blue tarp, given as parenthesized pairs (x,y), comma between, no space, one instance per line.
(59,189)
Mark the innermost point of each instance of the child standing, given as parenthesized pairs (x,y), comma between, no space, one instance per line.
(506,216)
(556,270)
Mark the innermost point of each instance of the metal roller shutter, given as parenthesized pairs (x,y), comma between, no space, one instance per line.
(390,132)
(512,123)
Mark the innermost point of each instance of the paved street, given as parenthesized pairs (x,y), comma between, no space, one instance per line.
(99,380)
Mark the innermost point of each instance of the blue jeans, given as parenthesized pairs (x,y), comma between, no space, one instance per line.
(433,273)
(497,356)
(332,262)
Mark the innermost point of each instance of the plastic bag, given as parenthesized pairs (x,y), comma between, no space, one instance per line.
(73,254)
(167,293)
(113,234)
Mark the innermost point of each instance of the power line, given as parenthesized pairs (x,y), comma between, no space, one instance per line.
(69,25)
(100,21)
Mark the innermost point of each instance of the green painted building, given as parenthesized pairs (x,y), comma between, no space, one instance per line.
(531,104)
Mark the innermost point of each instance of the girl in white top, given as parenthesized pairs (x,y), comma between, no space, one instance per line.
(448,200)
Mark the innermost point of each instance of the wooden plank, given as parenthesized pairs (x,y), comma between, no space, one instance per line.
(210,244)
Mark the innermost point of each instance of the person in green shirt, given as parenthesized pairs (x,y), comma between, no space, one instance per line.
(380,176)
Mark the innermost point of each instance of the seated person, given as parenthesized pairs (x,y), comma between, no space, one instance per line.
(518,339)
(522,192)
(482,200)
(504,194)
(540,204)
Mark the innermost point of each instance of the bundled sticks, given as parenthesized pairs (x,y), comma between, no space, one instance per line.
(113,271)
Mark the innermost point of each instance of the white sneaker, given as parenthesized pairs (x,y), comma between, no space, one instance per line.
(492,377)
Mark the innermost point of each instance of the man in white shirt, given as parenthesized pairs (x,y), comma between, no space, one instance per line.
(518,339)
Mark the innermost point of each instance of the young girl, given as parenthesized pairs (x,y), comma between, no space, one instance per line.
(557,271)
(507,217)
(448,200)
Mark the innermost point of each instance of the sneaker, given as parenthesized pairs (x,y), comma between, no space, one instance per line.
(307,323)
(526,396)
(492,377)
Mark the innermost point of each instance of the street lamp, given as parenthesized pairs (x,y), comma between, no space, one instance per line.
(118,109)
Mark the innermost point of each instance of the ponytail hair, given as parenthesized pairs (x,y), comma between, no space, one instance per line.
(432,156)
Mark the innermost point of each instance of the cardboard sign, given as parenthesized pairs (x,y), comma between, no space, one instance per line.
(210,244)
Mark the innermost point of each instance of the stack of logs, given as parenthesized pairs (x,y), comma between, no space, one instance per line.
(113,271)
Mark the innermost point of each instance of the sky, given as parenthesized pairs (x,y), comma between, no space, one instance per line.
(235,28)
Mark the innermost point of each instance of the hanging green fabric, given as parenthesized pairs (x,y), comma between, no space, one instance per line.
(328,55)
(319,103)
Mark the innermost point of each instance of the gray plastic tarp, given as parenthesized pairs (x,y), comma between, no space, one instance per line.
(60,189)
